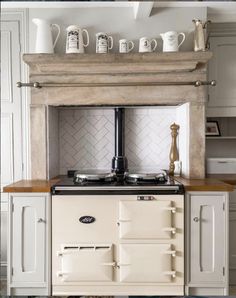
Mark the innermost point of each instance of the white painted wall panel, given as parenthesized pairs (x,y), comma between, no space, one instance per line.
(7,161)
(11,130)
(6,67)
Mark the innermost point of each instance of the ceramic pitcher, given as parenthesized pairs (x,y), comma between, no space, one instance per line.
(44,42)
(74,40)
(199,36)
(171,41)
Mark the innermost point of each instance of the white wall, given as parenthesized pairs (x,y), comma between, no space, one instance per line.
(120,23)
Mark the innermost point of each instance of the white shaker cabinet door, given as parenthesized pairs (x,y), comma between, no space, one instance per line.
(207,241)
(222,68)
(28,239)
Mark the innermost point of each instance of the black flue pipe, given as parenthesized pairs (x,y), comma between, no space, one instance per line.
(119,161)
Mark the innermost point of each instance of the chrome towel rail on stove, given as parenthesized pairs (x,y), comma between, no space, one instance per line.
(38,85)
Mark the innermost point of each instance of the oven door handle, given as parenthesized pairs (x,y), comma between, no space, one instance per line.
(172,273)
(124,264)
(113,264)
(172,209)
(172,230)
(170,252)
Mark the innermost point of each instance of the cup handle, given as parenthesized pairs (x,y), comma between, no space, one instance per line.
(183,35)
(132,46)
(87,35)
(59,31)
(111,41)
(155,45)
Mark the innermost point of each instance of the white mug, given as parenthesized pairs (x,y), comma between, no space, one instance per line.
(125,46)
(171,42)
(74,39)
(104,42)
(145,45)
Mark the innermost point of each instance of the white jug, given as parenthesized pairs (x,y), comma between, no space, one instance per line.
(44,43)
(170,41)
(74,40)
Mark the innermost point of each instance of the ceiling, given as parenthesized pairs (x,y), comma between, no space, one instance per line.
(141,9)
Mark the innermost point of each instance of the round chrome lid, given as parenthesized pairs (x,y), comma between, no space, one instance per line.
(93,176)
(161,177)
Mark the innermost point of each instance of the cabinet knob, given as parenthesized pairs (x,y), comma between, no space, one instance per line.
(41,220)
(196,219)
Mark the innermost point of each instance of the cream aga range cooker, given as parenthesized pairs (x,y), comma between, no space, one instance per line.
(118,233)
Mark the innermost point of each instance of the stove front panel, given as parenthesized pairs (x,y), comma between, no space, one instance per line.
(92,247)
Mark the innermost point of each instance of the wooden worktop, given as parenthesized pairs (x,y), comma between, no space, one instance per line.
(227,178)
(31,186)
(208,184)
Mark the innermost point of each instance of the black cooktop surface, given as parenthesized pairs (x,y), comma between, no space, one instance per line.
(67,186)
(70,182)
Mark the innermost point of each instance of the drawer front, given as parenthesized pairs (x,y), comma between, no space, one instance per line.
(86,263)
(221,165)
(146,263)
(146,219)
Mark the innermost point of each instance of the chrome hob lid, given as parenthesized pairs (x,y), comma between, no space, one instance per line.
(108,177)
(142,177)
(89,176)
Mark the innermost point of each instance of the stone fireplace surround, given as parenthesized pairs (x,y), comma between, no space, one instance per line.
(135,69)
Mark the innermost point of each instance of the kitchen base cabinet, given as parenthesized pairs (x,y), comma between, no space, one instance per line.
(29,244)
(206,248)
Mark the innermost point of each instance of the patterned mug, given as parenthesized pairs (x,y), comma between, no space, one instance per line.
(125,46)
(104,42)
(145,45)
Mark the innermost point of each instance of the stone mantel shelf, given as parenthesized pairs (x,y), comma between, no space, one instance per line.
(111,64)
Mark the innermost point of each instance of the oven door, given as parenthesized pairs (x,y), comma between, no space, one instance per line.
(146,263)
(86,262)
(146,219)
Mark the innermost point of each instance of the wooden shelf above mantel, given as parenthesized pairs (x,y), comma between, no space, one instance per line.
(132,63)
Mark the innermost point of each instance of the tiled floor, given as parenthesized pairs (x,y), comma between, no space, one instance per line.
(3,288)
(232,291)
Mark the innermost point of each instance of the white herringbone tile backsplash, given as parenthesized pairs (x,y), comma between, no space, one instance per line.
(86,138)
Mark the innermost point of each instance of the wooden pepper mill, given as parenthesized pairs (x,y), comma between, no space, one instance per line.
(174,155)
